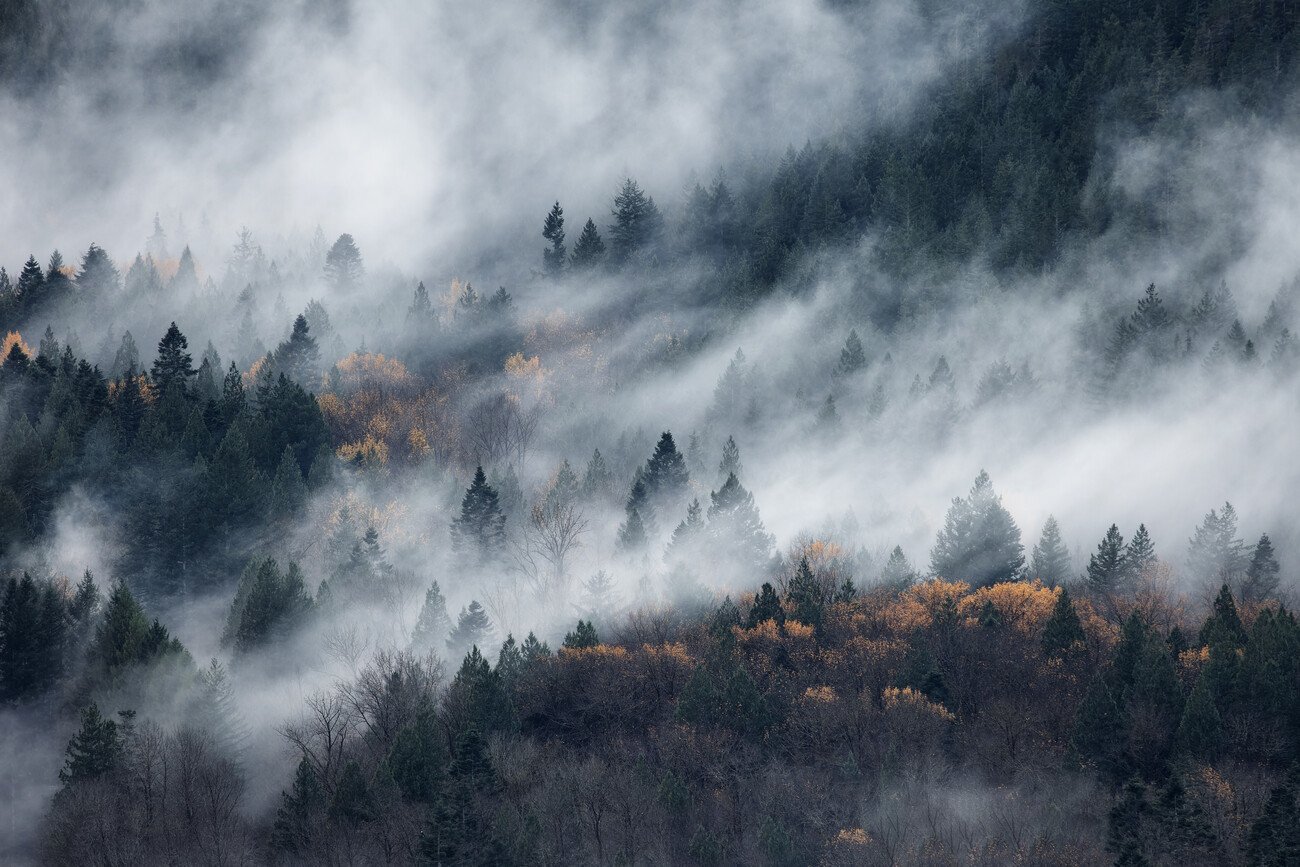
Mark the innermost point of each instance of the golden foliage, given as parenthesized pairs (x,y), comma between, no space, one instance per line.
(906,700)
(253,372)
(937,594)
(1024,606)
(820,694)
(368,450)
(11,339)
(361,370)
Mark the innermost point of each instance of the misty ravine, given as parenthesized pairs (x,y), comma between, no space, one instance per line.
(827,432)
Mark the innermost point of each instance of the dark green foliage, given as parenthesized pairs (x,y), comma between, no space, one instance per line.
(1200,733)
(979,542)
(1108,569)
(804,593)
(898,573)
(583,636)
(1124,825)
(433,627)
(637,223)
(1223,626)
(1051,559)
(590,249)
(126,639)
(1274,839)
(173,367)
(300,810)
(767,606)
(288,490)
(417,759)
(269,606)
(299,356)
(479,532)
(32,630)
(94,750)
(1262,574)
(473,628)
(1139,554)
(1098,733)
(555,257)
(352,802)
(665,476)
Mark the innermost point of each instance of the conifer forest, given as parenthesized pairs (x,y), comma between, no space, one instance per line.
(702,432)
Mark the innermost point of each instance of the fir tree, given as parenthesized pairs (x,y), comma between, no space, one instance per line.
(590,249)
(852,356)
(288,490)
(637,222)
(1200,732)
(665,476)
(1063,630)
(979,542)
(1139,555)
(352,802)
(736,530)
(898,573)
(298,356)
(173,367)
(729,465)
(1215,554)
(473,628)
(480,530)
(344,271)
(1051,559)
(1262,574)
(418,757)
(767,606)
(1223,626)
(1107,569)
(583,636)
(1098,730)
(597,481)
(554,257)
(433,627)
(300,809)
(95,750)
(804,594)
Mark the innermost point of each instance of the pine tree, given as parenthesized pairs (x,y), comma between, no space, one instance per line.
(583,636)
(98,281)
(417,760)
(215,711)
(898,573)
(599,598)
(729,465)
(352,802)
(1274,839)
(173,367)
(1200,733)
(637,222)
(288,490)
(767,606)
(804,593)
(1223,626)
(235,487)
(1262,574)
(632,532)
(1139,555)
(1098,730)
(1051,559)
(299,356)
(597,481)
(665,476)
(480,531)
(32,632)
(300,810)
(852,356)
(344,271)
(590,249)
(94,750)
(979,542)
(737,532)
(473,629)
(433,627)
(30,288)
(1215,554)
(1063,630)
(1107,569)
(554,258)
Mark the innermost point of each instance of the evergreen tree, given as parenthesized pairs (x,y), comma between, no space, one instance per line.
(597,481)
(1200,733)
(1107,569)
(1223,626)
(1063,630)
(767,606)
(235,487)
(1139,555)
(898,573)
(637,222)
(30,288)
(1215,554)
(418,757)
(173,367)
(583,636)
(32,633)
(58,286)
(730,463)
(98,281)
(804,594)
(299,812)
(473,628)
(299,356)
(590,249)
(216,713)
(1051,559)
(433,627)
(94,750)
(1098,733)
(554,258)
(852,356)
(632,532)
(1274,839)
(480,530)
(737,532)
(665,476)
(352,802)
(288,490)
(344,271)
(1262,574)
(979,542)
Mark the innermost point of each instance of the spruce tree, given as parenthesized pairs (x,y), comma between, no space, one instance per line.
(352,802)
(94,750)
(1262,574)
(288,490)
(736,530)
(473,629)
(344,271)
(979,542)
(1051,559)
(767,606)
(300,810)
(1107,569)
(590,249)
(1139,555)
(418,757)
(479,533)
(898,573)
(852,356)
(637,222)
(1200,732)
(554,257)
(729,465)
(1063,630)
(597,481)
(1098,732)
(433,627)
(665,475)
(299,356)
(583,636)
(173,367)
(805,595)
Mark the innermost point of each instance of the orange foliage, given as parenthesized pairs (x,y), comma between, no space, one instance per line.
(11,339)
(1024,606)
(937,594)
(375,406)
(371,370)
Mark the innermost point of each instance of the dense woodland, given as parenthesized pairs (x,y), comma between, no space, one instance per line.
(306,559)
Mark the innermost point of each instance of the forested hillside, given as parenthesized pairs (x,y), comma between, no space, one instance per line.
(869,446)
